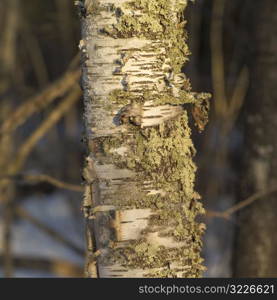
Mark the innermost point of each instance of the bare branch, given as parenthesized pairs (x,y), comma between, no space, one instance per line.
(53,181)
(226,214)
(37,103)
(217,59)
(61,268)
(52,119)
(49,231)
(239,93)
(9,35)
(35,52)
(40,178)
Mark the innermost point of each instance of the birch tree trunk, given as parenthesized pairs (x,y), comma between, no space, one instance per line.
(140,204)
(256,244)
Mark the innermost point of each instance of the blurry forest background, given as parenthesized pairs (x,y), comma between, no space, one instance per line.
(41,131)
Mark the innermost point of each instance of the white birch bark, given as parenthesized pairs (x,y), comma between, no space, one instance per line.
(140,204)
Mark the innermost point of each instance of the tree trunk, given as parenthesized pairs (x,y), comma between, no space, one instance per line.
(140,204)
(8,44)
(256,247)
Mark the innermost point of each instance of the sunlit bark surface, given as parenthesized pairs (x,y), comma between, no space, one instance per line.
(140,204)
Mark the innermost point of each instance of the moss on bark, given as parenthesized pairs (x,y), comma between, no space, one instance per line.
(159,156)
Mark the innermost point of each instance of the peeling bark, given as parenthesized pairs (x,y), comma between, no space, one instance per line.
(140,203)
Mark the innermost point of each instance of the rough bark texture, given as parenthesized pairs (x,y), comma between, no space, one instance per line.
(140,203)
(256,249)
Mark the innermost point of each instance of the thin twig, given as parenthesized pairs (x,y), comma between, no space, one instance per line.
(40,178)
(239,92)
(217,59)
(18,162)
(226,109)
(226,214)
(58,267)
(9,36)
(52,119)
(53,181)
(75,62)
(37,103)
(35,53)
(49,231)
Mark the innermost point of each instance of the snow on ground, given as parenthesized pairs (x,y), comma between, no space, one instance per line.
(54,211)
(218,243)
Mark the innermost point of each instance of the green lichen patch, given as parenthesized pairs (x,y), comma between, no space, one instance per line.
(91,7)
(163,156)
(140,254)
(159,158)
(120,97)
(155,20)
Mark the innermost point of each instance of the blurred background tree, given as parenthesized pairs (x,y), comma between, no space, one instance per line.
(256,242)
(233,57)
(40,134)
